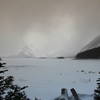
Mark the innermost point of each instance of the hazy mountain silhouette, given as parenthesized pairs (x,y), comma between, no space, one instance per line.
(91,50)
(25,52)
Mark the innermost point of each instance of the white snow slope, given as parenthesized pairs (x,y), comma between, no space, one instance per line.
(92,44)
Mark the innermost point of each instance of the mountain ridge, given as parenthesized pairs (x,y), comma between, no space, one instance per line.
(91,50)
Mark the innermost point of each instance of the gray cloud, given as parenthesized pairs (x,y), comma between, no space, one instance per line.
(52,27)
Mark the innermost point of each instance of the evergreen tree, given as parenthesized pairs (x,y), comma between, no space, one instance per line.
(9,91)
(97,90)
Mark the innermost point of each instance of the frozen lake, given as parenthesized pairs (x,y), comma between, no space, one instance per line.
(45,77)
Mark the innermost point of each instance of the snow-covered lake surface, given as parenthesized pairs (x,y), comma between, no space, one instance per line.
(46,77)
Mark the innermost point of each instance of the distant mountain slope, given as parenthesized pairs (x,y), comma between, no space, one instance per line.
(26,52)
(92,44)
(90,51)
(89,54)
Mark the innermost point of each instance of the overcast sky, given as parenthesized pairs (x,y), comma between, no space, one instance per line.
(48,27)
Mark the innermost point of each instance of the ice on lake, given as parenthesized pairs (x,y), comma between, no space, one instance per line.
(45,77)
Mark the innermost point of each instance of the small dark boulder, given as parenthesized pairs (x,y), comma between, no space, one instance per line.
(60,57)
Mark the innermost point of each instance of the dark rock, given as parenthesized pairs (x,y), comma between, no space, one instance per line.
(89,54)
(60,57)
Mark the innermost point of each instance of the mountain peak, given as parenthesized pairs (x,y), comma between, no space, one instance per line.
(26,52)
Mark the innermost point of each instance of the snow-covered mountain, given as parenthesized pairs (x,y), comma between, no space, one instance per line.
(92,44)
(91,50)
(26,52)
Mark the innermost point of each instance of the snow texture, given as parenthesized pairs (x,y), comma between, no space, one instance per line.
(46,77)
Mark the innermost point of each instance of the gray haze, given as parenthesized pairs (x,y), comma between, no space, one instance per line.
(48,27)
